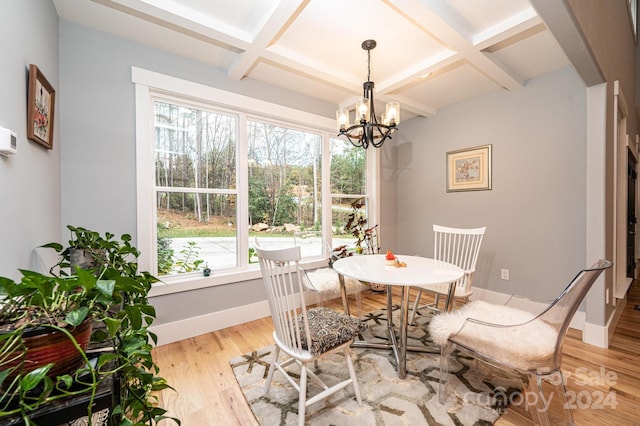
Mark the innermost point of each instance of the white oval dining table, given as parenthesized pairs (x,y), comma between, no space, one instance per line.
(418,272)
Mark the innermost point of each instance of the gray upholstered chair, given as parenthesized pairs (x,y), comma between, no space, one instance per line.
(304,335)
(516,340)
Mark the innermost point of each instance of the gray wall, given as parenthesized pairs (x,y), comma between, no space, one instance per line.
(98,120)
(29,180)
(535,213)
(98,153)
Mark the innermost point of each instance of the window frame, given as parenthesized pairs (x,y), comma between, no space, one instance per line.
(633,18)
(148,87)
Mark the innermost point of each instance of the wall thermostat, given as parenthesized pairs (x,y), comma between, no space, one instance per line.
(8,142)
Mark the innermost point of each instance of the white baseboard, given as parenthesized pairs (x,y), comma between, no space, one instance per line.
(191,327)
(600,335)
(596,335)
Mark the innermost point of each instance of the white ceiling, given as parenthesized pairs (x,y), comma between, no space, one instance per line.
(429,54)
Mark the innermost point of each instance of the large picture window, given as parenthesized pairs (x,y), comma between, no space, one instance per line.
(195,188)
(348,179)
(285,186)
(215,177)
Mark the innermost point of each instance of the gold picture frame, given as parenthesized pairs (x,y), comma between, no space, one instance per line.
(40,108)
(469,169)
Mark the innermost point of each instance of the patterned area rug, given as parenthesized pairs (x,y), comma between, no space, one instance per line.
(476,394)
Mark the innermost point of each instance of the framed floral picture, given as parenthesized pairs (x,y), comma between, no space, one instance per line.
(469,169)
(40,108)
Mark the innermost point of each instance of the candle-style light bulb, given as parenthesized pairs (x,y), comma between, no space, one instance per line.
(342,119)
(393,113)
(362,109)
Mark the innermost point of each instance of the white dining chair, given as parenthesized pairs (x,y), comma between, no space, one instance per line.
(460,247)
(303,335)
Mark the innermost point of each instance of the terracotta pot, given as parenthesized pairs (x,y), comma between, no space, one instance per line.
(45,345)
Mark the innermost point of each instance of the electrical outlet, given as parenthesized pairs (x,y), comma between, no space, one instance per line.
(504,274)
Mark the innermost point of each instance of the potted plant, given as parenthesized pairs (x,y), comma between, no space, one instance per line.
(357,225)
(88,249)
(110,296)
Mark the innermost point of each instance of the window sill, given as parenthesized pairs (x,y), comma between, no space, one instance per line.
(197,281)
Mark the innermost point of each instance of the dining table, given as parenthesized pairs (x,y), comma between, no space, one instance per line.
(407,272)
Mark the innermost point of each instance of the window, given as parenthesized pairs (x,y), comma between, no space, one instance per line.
(217,169)
(633,16)
(348,179)
(285,183)
(195,187)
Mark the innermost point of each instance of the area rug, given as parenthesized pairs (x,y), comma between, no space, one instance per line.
(477,393)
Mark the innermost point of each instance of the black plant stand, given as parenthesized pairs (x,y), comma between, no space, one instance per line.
(66,410)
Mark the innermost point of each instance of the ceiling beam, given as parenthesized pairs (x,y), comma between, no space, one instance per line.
(274,24)
(417,108)
(444,24)
(411,76)
(517,24)
(559,18)
(173,16)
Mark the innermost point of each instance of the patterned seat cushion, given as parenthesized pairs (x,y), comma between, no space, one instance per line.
(329,329)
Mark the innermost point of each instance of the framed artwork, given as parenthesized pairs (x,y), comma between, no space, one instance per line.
(40,108)
(469,169)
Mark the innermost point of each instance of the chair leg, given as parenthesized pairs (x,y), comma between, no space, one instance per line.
(565,401)
(445,353)
(302,402)
(535,400)
(352,374)
(561,404)
(320,299)
(416,303)
(272,368)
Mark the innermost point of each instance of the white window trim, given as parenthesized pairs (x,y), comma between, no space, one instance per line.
(148,82)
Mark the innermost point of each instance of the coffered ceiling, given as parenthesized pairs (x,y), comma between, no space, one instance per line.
(429,54)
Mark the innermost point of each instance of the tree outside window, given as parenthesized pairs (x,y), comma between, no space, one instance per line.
(197,192)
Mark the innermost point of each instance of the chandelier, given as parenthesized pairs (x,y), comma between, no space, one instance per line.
(367,130)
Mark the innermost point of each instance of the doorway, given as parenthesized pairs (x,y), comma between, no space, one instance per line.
(632,176)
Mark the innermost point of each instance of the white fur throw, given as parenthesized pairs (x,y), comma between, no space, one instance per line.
(527,346)
(325,280)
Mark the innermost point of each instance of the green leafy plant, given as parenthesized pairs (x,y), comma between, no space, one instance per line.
(112,295)
(357,225)
(165,255)
(253,256)
(169,262)
(103,251)
(189,261)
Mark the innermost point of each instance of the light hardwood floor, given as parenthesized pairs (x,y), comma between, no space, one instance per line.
(207,392)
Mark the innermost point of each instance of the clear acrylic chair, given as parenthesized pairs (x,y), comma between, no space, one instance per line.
(325,283)
(517,340)
(304,335)
(460,247)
